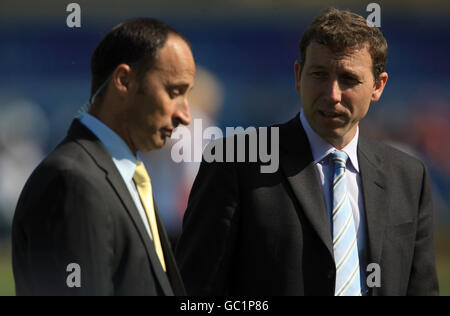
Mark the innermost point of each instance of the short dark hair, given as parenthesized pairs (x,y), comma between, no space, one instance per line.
(135,42)
(341,31)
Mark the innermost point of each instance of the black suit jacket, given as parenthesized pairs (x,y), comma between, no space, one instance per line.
(76,208)
(252,233)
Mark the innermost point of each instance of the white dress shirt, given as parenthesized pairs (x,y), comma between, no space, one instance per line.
(123,159)
(325,169)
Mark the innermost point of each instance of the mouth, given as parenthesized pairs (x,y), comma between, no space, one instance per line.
(167,132)
(331,115)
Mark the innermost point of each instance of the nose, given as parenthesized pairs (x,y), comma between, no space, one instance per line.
(333,91)
(183,114)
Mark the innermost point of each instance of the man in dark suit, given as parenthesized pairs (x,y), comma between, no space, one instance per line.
(85,223)
(343,215)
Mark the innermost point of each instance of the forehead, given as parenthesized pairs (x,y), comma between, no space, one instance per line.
(357,59)
(175,58)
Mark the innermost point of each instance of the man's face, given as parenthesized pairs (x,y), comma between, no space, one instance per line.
(336,91)
(160,102)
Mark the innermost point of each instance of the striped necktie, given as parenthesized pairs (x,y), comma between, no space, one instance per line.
(344,233)
(144,188)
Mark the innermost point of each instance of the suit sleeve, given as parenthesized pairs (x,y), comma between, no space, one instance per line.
(62,239)
(205,249)
(423,278)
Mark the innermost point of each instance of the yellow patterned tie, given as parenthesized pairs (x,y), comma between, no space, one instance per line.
(144,188)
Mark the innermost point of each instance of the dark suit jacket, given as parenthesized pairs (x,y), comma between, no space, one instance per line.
(76,208)
(252,233)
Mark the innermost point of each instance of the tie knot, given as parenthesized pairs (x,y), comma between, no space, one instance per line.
(140,176)
(339,158)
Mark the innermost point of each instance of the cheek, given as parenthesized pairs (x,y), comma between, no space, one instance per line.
(163,115)
(169,107)
(164,106)
(308,93)
(358,102)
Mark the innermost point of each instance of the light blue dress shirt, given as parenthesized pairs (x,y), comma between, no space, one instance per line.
(324,166)
(124,160)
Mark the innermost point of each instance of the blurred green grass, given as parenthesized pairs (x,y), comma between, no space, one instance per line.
(442,262)
(7,287)
(443,266)
(442,237)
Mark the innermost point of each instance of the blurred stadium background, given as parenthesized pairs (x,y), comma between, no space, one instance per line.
(245,51)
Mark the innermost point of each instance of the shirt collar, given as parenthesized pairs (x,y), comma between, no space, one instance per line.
(121,154)
(321,148)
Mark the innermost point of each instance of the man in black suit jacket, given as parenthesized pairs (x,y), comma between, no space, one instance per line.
(80,227)
(246,232)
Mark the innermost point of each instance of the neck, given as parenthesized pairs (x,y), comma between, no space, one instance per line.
(115,122)
(340,142)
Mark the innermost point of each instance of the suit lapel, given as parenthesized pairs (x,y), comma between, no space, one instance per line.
(171,266)
(375,200)
(298,166)
(117,183)
(101,156)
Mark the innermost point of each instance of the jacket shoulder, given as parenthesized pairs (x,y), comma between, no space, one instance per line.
(397,156)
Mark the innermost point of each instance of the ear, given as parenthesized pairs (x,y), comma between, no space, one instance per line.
(121,79)
(379,87)
(298,75)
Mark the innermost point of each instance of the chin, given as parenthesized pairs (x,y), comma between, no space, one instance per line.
(159,144)
(327,132)
(149,147)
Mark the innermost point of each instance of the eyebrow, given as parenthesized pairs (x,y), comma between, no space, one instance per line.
(180,85)
(345,72)
(351,74)
(316,66)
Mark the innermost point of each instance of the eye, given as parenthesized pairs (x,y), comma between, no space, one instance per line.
(176,91)
(349,80)
(318,74)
